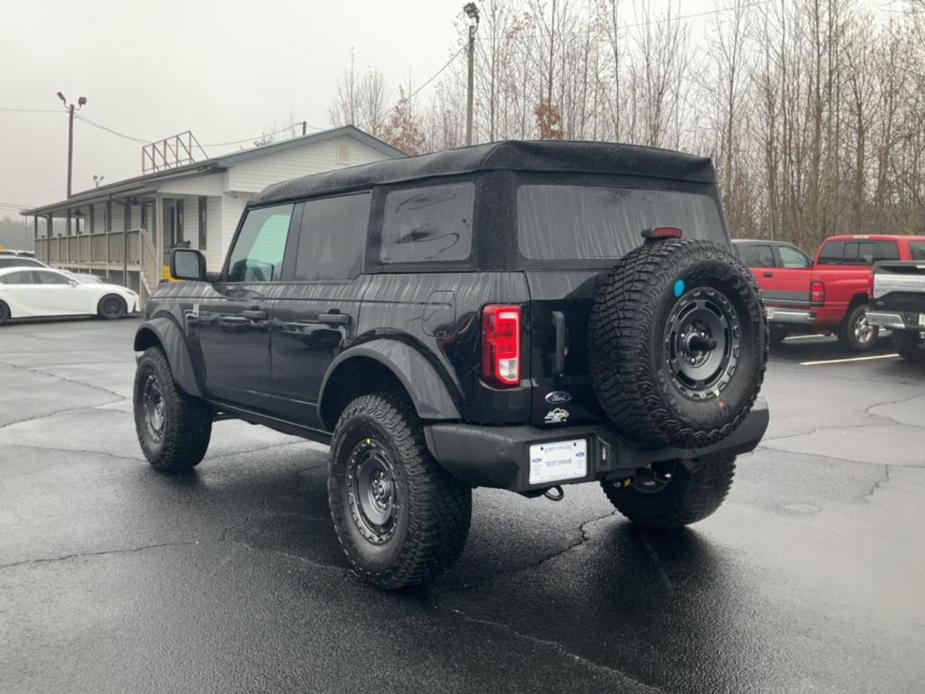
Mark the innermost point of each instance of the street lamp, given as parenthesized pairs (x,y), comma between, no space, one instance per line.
(81,101)
(472,12)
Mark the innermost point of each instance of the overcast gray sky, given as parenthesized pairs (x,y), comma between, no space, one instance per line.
(224,69)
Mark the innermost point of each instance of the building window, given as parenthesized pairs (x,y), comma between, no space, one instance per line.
(144,216)
(203,224)
(342,154)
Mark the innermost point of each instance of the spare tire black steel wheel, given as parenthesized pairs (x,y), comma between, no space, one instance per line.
(678,344)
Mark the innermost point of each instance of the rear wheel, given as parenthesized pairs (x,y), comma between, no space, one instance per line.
(112,307)
(910,344)
(856,334)
(399,517)
(173,428)
(4,313)
(673,494)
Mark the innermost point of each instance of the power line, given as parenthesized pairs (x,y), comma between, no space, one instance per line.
(252,139)
(110,130)
(428,81)
(32,110)
(658,20)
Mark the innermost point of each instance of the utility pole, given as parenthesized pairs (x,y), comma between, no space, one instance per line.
(70,134)
(472,12)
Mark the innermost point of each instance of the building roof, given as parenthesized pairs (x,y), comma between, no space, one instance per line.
(209,166)
(546,155)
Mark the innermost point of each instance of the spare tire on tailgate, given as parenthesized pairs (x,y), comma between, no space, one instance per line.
(678,343)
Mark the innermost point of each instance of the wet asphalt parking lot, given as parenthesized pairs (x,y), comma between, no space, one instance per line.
(113,578)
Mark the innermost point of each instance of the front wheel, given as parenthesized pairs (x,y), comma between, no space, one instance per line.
(856,334)
(399,517)
(673,494)
(173,428)
(910,344)
(112,307)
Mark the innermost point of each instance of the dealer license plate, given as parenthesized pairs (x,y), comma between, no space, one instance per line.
(561,460)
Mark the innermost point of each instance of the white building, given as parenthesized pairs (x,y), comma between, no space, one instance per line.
(126,230)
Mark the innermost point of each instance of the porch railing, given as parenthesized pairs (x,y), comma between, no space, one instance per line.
(132,251)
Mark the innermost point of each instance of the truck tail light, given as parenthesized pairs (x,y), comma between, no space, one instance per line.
(501,345)
(817,292)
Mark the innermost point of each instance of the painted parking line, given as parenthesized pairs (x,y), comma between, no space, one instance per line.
(806,337)
(847,360)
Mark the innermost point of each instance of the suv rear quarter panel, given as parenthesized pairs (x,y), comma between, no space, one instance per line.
(439,314)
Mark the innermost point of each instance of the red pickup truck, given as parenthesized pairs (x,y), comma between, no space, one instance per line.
(829,294)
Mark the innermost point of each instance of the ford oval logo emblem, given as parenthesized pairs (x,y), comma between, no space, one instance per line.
(558,397)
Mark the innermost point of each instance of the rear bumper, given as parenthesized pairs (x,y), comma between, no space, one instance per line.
(894,321)
(788,316)
(499,456)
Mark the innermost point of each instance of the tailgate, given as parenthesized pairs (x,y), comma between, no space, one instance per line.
(900,286)
(560,306)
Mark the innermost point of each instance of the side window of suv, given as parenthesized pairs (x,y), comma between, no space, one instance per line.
(917,250)
(258,251)
(332,238)
(428,224)
(792,258)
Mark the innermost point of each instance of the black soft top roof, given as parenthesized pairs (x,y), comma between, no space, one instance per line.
(535,155)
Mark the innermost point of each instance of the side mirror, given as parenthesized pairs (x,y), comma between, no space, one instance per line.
(187,264)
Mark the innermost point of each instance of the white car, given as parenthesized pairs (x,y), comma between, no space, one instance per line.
(29,292)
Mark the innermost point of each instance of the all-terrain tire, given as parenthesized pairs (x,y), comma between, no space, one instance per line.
(633,334)
(4,313)
(111,307)
(855,334)
(910,345)
(431,524)
(693,493)
(181,440)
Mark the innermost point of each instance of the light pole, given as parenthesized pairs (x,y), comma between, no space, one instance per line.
(70,134)
(472,12)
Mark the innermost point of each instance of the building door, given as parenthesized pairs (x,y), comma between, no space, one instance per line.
(173,228)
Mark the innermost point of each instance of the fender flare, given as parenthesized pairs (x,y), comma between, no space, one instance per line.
(428,391)
(165,332)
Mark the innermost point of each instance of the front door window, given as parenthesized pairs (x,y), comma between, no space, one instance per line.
(258,252)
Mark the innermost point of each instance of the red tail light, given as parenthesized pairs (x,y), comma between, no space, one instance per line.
(501,345)
(662,233)
(817,292)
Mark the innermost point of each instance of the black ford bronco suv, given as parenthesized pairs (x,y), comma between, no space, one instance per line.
(518,315)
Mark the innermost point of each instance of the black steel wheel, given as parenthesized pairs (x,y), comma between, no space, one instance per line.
(703,341)
(112,307)
(673,494)
(856,333)
(400,518)
(173,428)
(678,344)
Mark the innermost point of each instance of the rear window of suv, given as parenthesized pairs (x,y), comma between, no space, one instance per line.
(573,222)
(860,252)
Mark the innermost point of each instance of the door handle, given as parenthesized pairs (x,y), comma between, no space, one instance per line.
(255,314)
(334,318)
(769,274)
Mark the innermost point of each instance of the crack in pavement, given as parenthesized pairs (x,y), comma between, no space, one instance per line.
(836,459)
(100,553)
(620,677)
(583,537)
(45,415)
(37,370)
(878,484)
